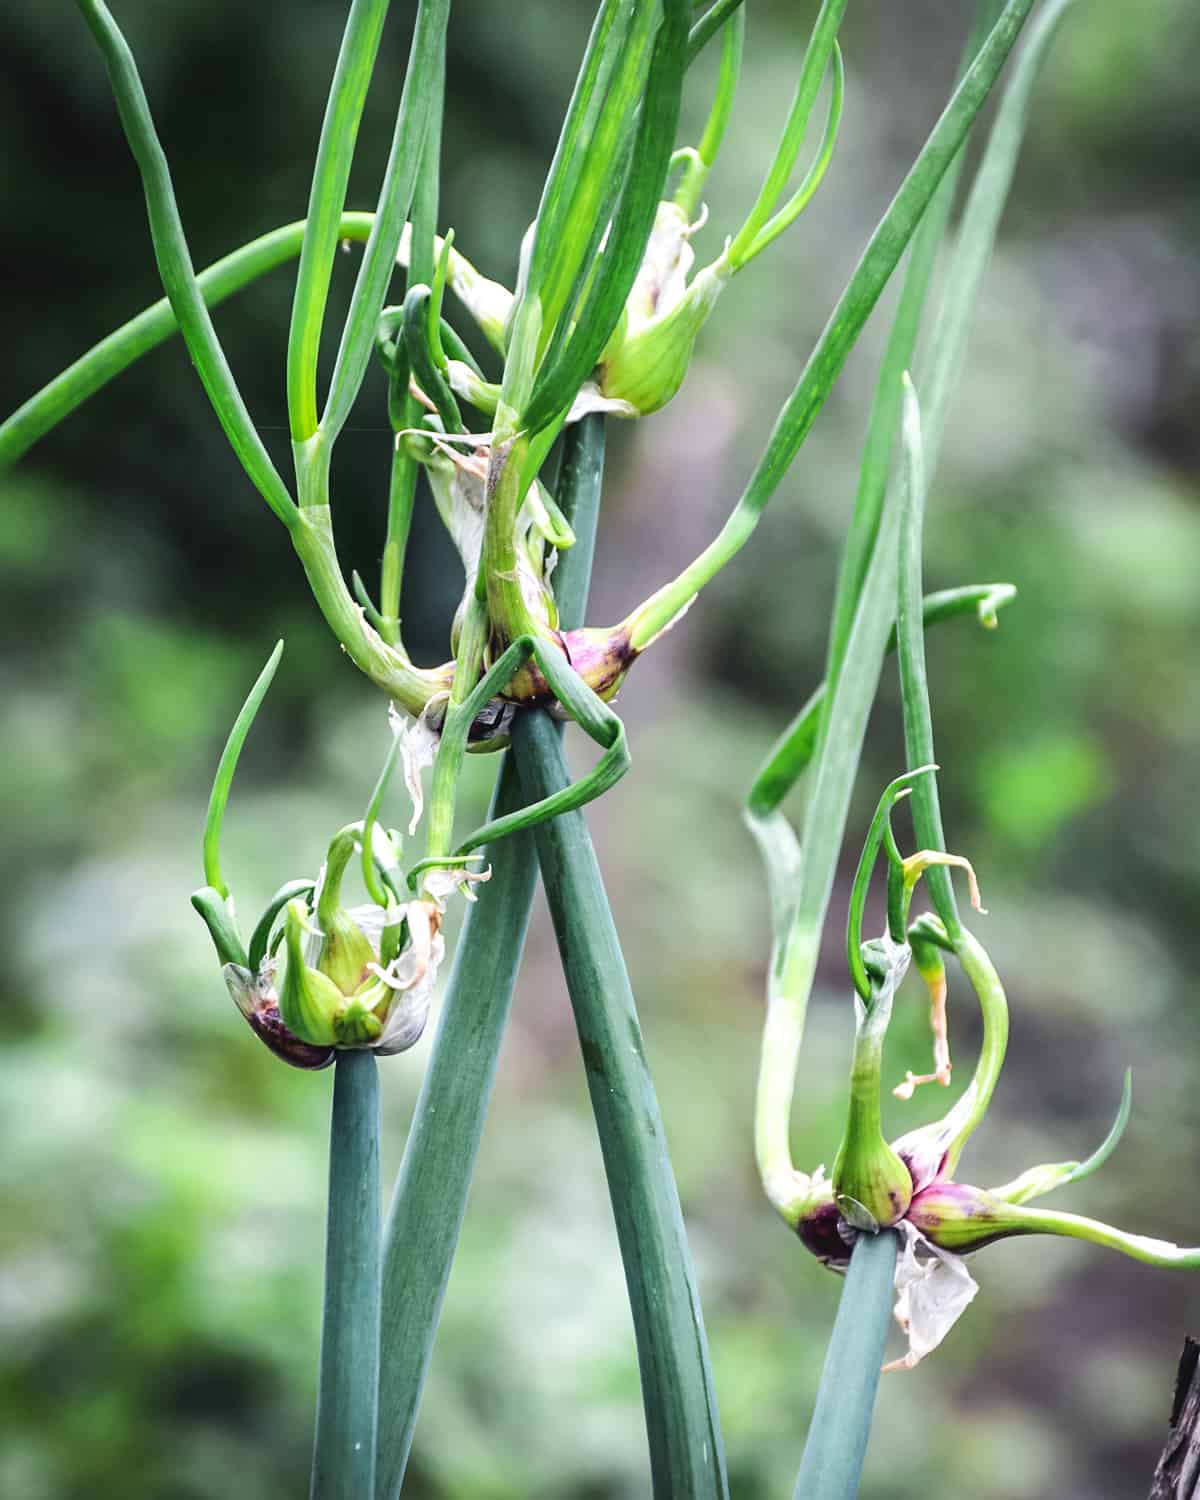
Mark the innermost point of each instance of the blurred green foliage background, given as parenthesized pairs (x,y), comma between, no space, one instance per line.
(163,1177)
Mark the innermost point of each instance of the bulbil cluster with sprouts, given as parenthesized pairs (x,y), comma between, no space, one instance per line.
(910,1183)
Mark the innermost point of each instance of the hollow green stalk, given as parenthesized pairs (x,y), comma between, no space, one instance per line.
(327,197)
(609,283)
(114,354)
(700,162)
(817,57)
(439,1156)
(716,16)
(914,683)
(977,231)
(175,262)
(841,1422)
(347,1403)
(430,1197)
(420,101)
(878,261)
(152,327)
(794,750)
(686,1454)
(898,357)
(793,961)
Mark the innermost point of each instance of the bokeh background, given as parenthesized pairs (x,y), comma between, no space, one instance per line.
(163,1178)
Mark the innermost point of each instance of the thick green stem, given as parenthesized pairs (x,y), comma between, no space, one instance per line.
(498,574)
(344,1451)
(841,1422)
(686,1455)
(439,1156)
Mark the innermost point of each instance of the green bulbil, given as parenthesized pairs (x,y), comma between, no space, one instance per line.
(646,361)
(357,1025)
(872,1187)
(309,1001)
(346,952)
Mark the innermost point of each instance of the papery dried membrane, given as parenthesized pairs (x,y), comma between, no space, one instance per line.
(408,1015)
(934,1289)
(418,747)
(440,884)
(413,974)
(459,486)
(591,399)
(662,278)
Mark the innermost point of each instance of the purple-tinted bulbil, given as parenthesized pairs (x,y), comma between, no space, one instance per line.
(955,1216)
(826,1234)
(256,998)
(267,1025)
(600,657)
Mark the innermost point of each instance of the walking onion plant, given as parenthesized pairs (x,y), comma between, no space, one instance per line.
(601,324)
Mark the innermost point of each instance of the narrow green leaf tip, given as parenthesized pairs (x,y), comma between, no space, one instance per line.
(226,768)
